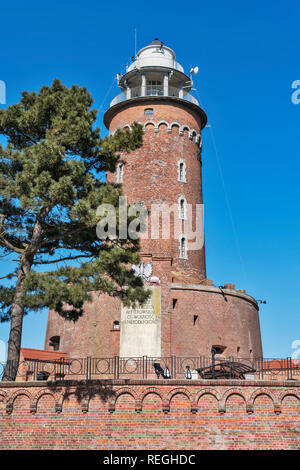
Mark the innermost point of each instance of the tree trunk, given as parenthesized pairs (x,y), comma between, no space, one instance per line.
(17,309)
(15,334)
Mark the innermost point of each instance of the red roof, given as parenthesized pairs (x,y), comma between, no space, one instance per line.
(42,354)
(280,364)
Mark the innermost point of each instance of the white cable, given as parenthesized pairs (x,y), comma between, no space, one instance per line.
(108,91)
(226,198)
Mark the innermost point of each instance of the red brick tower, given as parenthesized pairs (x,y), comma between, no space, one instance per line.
(187,315)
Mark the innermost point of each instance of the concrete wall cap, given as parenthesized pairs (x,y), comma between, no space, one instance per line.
(213,289)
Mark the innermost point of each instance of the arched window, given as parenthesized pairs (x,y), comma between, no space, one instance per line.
(148,111)
(181,171)
(182,207)
(120,173)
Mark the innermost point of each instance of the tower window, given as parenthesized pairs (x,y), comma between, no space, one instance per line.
(154,88)
(54,342)
(120,173)
(183,248)
(195,319)
(218,348)
(148,112)
(116,325)
(182,207)
(181,171)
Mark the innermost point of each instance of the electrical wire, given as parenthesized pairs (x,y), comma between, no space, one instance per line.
(228,205)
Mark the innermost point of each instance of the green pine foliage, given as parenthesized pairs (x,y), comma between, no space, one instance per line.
(51,183)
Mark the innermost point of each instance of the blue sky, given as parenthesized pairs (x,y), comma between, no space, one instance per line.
(248,57)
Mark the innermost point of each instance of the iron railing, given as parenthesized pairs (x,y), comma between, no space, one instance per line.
(156,90)
(199,367)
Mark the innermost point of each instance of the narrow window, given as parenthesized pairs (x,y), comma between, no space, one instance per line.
(182,208)
(116,325)
(174,303)
(183,248)
(181,171)
(195,319)
(148,112)
(54,342)
(120,173)
(218,349)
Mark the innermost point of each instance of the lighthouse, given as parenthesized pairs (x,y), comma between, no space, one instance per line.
(186,315)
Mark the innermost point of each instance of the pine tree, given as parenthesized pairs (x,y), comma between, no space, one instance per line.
(51,184)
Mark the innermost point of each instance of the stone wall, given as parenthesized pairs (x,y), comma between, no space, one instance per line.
(152,414)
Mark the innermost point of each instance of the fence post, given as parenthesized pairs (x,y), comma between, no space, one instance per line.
(173,361)
(289,368)
(88,368)
(34,370)
(116,367)
(145,362)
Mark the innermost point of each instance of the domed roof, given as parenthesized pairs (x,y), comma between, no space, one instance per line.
(156,42)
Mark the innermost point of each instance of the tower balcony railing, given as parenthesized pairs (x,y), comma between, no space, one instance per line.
(155,90)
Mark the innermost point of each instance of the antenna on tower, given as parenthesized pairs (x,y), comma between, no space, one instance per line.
(134,42)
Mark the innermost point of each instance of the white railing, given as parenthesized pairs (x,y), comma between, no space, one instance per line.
(153,91)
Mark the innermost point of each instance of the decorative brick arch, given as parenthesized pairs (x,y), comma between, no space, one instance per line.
(288,393)
(198,140)
(62,396)
(172,393)
(227,394)
(174,124)
(205,391)
(192,133)
(3,396)
(262,391)
(148,391)
(165,123)
(40,394)
(179,391)
(183,128)
(150,123)
(11,399)
(268,393)
(120,392)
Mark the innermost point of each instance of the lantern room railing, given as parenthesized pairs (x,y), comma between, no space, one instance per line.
(154,90)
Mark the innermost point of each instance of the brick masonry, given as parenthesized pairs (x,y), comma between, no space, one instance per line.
(152,414)
(201,317)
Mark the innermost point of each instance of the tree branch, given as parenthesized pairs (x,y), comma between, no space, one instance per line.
(9,275)
(9,245)
(67,258)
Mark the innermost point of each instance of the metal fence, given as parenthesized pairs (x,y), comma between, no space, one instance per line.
(157,90)
(146,367)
